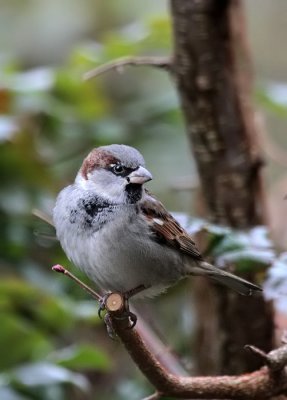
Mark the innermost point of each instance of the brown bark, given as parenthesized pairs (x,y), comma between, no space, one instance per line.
(212,71)
(265,383)
(262,384)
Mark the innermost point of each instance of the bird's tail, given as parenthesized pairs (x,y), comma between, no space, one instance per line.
(234,282)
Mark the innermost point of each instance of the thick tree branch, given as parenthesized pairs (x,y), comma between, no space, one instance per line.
(120,63)
(275,360)
(268,381)
(168,360)
(164,355)
(256,385)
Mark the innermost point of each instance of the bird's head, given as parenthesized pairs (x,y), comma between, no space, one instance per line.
(115,172)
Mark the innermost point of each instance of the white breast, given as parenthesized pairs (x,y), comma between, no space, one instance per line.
(119,256)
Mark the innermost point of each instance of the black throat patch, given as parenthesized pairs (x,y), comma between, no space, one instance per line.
(134,193)
(92,205)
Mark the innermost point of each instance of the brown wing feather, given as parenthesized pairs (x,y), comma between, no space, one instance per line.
(166,228)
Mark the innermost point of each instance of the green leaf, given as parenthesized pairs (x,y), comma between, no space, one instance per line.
(82,356)
(19,341)
(48,311)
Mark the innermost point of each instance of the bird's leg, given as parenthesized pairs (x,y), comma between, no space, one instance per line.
(113,299)
(130,293)
(127,313)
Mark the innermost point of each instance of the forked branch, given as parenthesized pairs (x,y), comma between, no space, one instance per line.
(270,380)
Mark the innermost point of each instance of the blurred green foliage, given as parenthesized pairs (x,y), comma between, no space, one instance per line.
(245,251)
(51,343)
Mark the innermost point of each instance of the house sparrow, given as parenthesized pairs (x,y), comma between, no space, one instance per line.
(121,236)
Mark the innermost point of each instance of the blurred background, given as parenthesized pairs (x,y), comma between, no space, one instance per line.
(52,344)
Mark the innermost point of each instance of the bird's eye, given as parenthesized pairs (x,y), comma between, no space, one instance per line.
(117,169)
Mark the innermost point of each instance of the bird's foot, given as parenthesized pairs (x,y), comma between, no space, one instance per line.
(109,325)
(118,304)
(109,322)
(127,314)
(103,306)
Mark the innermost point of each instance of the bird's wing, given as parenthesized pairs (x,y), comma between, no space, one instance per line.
(166,228)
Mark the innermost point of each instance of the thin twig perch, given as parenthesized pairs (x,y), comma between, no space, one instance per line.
(120,63)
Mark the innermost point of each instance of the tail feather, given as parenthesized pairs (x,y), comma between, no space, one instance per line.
(234,282)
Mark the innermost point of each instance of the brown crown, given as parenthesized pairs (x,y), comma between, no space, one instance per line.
(97,159)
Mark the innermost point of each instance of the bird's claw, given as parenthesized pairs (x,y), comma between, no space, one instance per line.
(103,307)
(109,325)
(126,314)
(100,311)
(132,318)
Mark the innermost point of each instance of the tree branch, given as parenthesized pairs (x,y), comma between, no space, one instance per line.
(120,63)
(266,382)
(259,384)
(276,360)
(164,355)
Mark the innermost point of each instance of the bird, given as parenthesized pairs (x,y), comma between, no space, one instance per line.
(121,236)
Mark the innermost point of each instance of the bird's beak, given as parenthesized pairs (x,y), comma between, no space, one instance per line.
(139,176)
